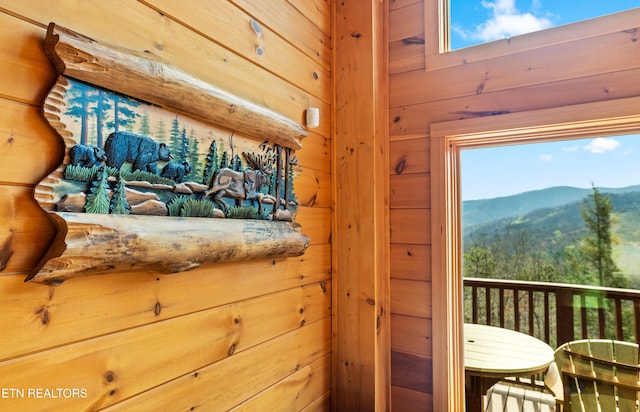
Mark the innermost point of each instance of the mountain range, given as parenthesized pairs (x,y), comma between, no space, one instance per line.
(557,210)
(486,210)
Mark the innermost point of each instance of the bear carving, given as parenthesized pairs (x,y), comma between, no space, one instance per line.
(141,151)
(86,156)
(176,171)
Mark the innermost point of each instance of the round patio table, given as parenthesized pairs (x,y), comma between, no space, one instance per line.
(492,353)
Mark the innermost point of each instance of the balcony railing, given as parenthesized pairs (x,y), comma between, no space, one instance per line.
(553,312)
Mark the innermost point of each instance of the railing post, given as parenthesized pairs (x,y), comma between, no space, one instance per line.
(564,316)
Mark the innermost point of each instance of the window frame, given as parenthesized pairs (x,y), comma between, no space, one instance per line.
(437,22)
(607,118)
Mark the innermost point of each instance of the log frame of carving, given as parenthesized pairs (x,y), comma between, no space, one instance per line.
(91,244)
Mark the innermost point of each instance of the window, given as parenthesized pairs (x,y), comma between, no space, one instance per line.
(447,140)
(474,22)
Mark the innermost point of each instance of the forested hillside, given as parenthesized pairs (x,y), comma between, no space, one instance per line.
(536,235)
(487,210)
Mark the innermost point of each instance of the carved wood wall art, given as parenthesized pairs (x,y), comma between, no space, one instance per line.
(162,171)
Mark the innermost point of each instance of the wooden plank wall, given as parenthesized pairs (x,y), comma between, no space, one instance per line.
(587,62)
(250,336)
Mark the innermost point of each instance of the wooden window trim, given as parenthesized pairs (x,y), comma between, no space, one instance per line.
(436,18)
(447,139)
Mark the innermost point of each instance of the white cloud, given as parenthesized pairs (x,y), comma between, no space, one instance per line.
(571,149)
(601,145)
(506,22)
(547,158)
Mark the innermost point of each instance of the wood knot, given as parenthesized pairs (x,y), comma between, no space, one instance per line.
(43,313)
(109,376)
(356,35)
(232,349)
(401,165)
(157,309)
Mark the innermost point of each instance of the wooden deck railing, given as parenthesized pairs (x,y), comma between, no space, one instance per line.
(553,312)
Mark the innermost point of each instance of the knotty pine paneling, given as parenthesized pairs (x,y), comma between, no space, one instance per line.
(311,34)
(403,26)
(406,37)
(230,25)
(313,188)
(300,387)
(408,226)
(239,375)
(321,404)
(315,223)
(410,334)
(29,149)
(406,55)
(410,191)
(23,65)
(315,153)
(411,372)
(110,369)
(411,298)
(415,119)
(22,222)
(143,29)
(557,63)
(397,4)
(409,156)
(412,262)
(406,400)
(43,317)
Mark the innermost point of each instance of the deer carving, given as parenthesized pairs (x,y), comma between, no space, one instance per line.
(241,186)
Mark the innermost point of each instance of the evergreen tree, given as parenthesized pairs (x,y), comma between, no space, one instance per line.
(211,164)
(98,198)
(237,163)
(101,112)
(479,263)
(224,161)
(145,128)
(192,154)
(293,161)
(184,145)
(175,139)
(119,204)
(78,101)
(161,131)
(596,213)
(123,114)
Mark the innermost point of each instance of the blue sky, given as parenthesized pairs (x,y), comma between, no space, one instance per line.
(612,161)
(478,21)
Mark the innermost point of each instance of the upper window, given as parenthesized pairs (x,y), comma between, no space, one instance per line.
(479,21)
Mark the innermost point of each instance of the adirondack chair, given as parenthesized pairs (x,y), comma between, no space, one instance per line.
(596,376)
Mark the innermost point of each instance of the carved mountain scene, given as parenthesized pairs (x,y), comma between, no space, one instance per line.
(125,156)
